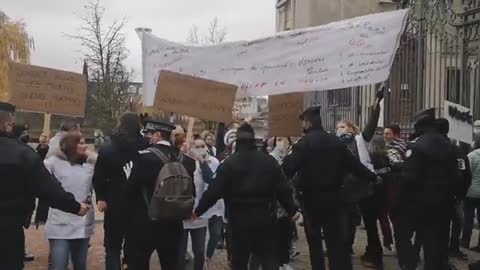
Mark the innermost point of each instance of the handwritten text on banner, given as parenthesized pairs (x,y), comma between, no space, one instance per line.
(352,52)
(41,89)
(461,122)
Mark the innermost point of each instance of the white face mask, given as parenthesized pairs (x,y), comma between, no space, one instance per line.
(200,152)
(281,144)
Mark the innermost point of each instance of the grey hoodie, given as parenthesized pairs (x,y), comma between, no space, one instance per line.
(474,159)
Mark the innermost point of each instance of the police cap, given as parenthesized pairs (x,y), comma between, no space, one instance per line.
(425,117)
(311,113)
(7,107)
(152,126)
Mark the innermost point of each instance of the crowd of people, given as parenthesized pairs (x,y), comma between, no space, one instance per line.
(157,188)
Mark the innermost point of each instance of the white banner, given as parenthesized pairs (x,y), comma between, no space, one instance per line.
(461,122)
(348,53)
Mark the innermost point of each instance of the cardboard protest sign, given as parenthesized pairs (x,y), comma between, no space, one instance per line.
(461,122)
(283,112)
(201,98)
(353,52)
(40,89)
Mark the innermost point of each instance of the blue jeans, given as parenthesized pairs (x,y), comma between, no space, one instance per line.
(215,230)
(62,249)
(199,237)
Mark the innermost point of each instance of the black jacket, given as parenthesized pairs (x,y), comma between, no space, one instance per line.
(250,182)
(109,178)
(23,177)
(144,175)
(464,173)
(42,150)
(322,160)
(429,176)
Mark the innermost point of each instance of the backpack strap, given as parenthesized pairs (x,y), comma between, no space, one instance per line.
(164,159)
(159,154)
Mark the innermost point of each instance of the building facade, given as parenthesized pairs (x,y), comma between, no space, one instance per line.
(437,60)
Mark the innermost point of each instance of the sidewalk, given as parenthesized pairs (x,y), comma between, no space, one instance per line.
(37,244)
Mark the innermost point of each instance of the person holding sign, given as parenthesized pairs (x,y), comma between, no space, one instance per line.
(24,177)
(322,160)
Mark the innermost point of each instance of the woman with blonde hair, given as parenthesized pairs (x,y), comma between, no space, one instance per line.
(69,234)
(355,191)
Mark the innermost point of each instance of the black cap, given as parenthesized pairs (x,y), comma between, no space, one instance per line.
(310,113)
(425,117)
(245,132)
(7,107)
(152,126)
(442,125)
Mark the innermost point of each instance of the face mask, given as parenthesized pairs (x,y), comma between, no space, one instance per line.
(341,133)
(280,145)
(200,152)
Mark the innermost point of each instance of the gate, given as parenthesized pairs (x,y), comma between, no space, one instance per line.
(437,60)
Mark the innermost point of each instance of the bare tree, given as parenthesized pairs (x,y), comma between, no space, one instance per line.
(214,35)
(104,52)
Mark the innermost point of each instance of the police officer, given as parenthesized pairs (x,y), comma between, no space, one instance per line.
(426,193)
(22,177)
(250,182)
(109,182)
(464,176)
(322,161)
(144,235)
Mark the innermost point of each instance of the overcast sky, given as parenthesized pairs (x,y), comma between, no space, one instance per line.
(49,20)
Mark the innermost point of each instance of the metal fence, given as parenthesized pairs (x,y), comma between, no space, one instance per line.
(437,60)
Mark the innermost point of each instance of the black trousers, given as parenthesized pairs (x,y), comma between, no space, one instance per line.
(472,205)
(115,230)
(256,242)
(354,219)
(334,224)
(371,209)
(315,245)
(144,237)
(284,228)
(457,217)
(12,246)
(432,231)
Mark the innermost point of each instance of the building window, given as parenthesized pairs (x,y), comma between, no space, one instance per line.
(453,84)
(339,97)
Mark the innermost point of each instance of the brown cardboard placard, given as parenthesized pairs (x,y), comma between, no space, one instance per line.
(196,97)
(40,89)
(283,112)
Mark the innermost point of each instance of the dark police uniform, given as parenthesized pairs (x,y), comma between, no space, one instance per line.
(144,235)
(109,182)
(426,194)
(250,182)
(23,177)
(322,161)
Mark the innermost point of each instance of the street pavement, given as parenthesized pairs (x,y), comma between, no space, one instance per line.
(36,243)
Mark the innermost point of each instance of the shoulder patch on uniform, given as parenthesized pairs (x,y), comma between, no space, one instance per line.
(143,152)
(408,153)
